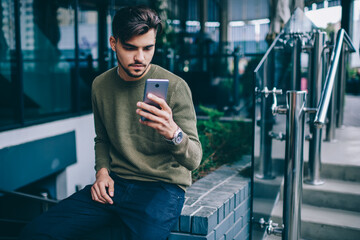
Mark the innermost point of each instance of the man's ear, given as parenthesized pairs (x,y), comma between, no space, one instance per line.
(112,41)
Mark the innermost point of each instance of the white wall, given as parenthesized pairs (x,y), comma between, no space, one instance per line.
(80,173)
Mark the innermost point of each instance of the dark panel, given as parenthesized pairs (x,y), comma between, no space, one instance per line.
(29,162)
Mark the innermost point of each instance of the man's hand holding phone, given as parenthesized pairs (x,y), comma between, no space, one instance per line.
(160,119)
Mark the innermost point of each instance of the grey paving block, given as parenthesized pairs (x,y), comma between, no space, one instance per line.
(197,189)
(224,226)
(227,208)
(194,196)
(204,221)
(242,209)
(184,236)
(246,218)
(185,218)
(190,200)
(235,229)
(238,196)
(221,215)
(231,202)
(243,234)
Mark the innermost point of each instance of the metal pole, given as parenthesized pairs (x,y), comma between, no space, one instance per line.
(295,120)
(327,93)
(341,90)
(316,82)
(295,83)
(266,124)
(236,56)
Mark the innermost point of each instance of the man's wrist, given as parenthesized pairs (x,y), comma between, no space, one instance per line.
(102,171)
(177,137)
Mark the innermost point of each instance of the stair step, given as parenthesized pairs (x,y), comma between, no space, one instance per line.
(324,223)
(333,194)
(268,188)
(262,208)
(343,172)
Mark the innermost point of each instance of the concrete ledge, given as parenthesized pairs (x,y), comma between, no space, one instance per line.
(216,207)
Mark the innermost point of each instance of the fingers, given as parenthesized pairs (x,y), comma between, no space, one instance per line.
(162,103)
(148,111)
(104,194)
(99,193)
(96,194)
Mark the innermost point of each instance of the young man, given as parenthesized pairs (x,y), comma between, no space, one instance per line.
(142,167)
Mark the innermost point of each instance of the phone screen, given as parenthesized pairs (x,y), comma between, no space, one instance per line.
(158,87)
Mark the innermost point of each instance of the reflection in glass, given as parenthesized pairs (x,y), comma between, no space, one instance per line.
(7,63)
(88,59)
(45,31)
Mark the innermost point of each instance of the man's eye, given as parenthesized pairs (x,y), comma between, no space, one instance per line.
(148,48)
(129,48)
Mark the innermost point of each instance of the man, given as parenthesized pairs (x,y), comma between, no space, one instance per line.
(142,167)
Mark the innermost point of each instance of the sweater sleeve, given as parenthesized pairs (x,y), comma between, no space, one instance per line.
(102,143)
(188,153)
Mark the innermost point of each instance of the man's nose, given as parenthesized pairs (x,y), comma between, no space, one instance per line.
(139,56)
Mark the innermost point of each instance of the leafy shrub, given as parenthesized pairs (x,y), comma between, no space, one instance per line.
(223,142)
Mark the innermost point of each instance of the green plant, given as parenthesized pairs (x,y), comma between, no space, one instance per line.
(223,142)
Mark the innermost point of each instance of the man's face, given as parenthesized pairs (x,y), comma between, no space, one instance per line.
(134,56)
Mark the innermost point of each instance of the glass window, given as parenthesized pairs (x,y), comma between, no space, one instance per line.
(88,45)
(356,36)
(7,63)
(47,33)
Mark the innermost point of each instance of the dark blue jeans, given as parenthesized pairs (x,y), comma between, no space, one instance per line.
(141,210)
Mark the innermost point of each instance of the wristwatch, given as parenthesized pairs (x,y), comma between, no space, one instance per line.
(178,137)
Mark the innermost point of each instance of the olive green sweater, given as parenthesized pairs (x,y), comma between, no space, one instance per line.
(134,151)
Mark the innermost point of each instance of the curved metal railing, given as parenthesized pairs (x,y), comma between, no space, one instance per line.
(324,102)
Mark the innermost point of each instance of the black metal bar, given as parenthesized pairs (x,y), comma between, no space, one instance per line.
(76,77)
(102,35)
(29,196)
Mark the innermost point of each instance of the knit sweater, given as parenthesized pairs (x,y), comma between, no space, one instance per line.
(134,151)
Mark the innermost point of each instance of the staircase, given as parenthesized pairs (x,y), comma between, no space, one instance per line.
(329,211)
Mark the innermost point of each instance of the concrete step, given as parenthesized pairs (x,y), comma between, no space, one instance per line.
(324,223)
(346,172)
(333,194)
(262,208)
(268,188)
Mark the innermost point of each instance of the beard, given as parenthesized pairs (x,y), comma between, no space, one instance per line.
(127,71)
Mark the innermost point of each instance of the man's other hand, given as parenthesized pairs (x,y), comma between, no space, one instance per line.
(103,182)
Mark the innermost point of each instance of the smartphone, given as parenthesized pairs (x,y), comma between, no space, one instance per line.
(158,87)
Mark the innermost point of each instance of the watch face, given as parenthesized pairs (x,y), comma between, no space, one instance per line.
(179,137)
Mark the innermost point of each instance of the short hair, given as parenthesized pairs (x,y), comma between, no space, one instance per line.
(134,21)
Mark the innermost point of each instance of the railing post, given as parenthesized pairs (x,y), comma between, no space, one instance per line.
(295,120)
(266,125)
(316,85)
(341,89)
(236,55)
(295,83)
(331,124)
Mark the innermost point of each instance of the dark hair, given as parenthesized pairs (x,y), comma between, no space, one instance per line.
(134,21)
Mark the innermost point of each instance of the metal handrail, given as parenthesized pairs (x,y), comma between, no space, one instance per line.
(29,196)
(324,102)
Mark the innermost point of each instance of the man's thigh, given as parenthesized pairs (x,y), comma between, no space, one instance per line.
(150,210)
(70,219)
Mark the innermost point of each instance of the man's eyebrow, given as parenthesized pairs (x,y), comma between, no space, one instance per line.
(129,45)
(133,46)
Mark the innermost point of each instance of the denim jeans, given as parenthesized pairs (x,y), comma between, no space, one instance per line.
(141,210)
